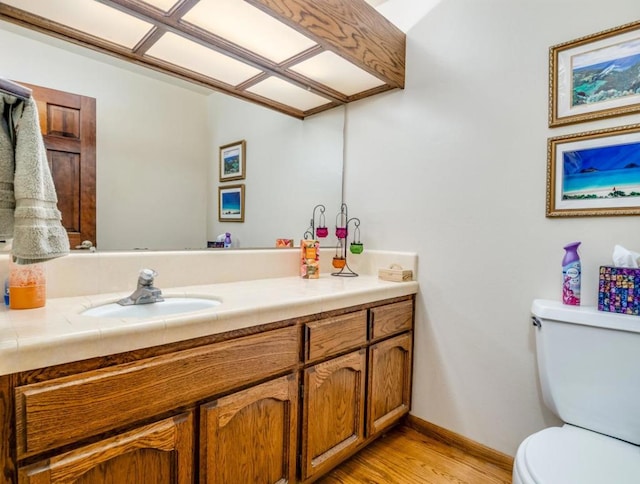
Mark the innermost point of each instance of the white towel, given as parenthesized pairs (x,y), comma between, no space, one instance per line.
(38,234)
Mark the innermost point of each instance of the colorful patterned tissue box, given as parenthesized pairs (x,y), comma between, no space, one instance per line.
(619,290)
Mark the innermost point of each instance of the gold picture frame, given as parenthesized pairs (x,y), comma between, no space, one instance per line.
(596,173)
(232,161)
(589,78)
(231,203)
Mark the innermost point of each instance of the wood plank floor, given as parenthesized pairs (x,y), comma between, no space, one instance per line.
(407,456)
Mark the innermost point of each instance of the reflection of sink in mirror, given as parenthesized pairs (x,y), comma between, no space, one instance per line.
(171,305)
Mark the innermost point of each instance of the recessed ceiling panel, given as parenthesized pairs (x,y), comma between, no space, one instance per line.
(286,93)
(236,47)
(90,17)
(184,53)
(164,5)
(248,27)
(332,70)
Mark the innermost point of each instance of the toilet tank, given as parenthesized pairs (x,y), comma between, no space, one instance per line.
(589,365)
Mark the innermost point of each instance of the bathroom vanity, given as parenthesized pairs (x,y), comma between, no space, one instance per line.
(244,397)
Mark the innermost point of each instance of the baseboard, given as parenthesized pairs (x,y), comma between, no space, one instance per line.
(471,447)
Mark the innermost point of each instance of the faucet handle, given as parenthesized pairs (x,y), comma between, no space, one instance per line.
(148,275)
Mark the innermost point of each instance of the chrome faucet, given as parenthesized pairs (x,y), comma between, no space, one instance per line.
(145,293)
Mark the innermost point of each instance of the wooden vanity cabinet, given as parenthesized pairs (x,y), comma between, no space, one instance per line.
(369,384)
(135,401)
(281,403)
(390,363)
(334,391)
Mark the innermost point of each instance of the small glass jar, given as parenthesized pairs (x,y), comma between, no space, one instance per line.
(27,286)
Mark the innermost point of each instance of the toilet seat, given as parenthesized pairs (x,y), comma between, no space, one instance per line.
(568,454)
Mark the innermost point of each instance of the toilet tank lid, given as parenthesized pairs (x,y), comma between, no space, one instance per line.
(586,315)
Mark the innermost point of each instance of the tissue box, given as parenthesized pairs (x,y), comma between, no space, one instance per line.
(395,273)
(619,290)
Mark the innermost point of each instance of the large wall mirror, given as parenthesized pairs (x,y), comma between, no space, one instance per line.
(158,140)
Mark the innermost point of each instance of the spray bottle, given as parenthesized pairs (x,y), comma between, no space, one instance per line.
(571,274)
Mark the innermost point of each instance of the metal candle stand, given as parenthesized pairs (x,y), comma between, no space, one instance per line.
(322,230)
(342,232)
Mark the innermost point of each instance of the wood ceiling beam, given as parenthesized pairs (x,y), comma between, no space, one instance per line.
(352,29)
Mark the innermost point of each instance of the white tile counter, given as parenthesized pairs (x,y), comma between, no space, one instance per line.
(57,333)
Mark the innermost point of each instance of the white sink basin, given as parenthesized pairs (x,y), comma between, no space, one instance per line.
(171,305)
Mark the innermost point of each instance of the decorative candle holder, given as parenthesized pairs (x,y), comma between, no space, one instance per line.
(342,232)
(338,260)
(341,223)
(322,230)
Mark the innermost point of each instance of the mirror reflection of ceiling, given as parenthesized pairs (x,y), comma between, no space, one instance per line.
(299,57)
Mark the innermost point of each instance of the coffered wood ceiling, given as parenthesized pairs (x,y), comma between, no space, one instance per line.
(299,57)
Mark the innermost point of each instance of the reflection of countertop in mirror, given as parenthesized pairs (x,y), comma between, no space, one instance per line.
(57,333)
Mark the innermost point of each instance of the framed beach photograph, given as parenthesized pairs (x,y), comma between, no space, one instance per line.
(232,161)
(595,77)
(594,173)
(231,203)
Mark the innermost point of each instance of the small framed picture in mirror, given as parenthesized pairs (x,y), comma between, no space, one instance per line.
(231,203)
(232,161)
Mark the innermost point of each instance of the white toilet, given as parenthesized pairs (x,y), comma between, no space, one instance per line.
(589,365)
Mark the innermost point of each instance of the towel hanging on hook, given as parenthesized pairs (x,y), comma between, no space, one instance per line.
(14,89)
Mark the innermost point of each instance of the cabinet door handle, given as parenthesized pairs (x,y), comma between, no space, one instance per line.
(307,342)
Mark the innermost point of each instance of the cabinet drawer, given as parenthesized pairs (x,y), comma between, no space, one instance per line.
(60,411)
(391,319)
(334,335)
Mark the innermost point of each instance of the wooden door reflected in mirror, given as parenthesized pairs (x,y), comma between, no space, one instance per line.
(68,125)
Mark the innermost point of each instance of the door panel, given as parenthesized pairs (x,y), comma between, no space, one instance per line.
(68,125)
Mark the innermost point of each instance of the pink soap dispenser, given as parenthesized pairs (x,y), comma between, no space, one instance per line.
(571,273)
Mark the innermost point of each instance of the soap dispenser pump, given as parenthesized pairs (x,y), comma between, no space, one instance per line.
(571,274)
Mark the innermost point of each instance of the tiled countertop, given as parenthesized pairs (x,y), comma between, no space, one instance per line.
(57,333)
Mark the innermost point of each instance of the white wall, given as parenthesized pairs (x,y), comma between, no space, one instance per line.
(147,129)
(454,168)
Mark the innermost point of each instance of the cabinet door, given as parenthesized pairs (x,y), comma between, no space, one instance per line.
(161,452)
(250,436)
(333,412)
(389,382)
